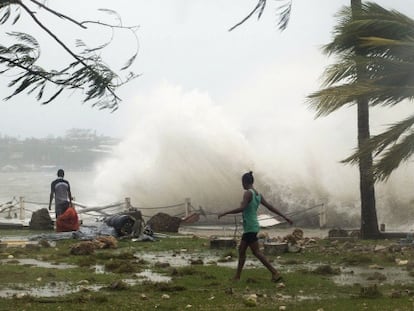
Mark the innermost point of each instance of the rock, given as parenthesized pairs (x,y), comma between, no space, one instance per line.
(281,285)
(355,234)
(401,262)
(337,233)
(41,220)
(380,248)
(293,248)
(162,222)
(298,234)
(376,267)
(326,270)
(251,300)
(376,276)
(275,248)
(159,264)
(107,242)
(118,285)
(83,248)
(370,292)
(196,262)
(83,282)
(223,242)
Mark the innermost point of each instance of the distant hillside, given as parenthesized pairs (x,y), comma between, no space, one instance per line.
(79,149)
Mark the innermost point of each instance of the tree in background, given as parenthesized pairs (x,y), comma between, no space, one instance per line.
(349,73)
(387,38)
(86,72)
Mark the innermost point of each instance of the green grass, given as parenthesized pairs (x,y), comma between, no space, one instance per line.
(204,287)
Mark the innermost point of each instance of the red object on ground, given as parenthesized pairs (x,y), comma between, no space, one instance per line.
(68,221)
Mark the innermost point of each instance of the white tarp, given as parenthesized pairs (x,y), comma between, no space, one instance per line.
(267,221)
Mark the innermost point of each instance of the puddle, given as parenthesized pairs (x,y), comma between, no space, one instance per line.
(183,259)
(361,275)
(99,269)
(37,263)
(54,289)
(154,277)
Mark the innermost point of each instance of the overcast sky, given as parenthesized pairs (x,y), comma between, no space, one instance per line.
(187,44)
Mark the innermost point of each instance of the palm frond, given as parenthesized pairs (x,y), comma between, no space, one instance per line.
(393,157)
(5,11)
(389,148)
(332,98)
(284,12)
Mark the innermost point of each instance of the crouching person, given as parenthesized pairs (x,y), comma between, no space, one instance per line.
(68,221)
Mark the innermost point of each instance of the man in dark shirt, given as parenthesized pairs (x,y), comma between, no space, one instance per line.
(60,190)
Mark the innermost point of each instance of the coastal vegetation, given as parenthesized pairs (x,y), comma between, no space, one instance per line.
(182,272)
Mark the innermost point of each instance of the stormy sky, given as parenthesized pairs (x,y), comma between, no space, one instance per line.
(211,104)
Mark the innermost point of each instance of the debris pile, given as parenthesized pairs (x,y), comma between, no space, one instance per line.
(292,243)
(89,247)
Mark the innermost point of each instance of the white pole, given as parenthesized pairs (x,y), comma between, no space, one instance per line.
(128,203)
(21,199)
(322,216)
(187,206)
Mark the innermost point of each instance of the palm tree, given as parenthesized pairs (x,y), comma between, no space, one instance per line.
(328,100)
(369,221)
(376,65)
(388,40)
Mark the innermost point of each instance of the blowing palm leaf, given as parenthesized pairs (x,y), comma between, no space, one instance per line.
(385,39)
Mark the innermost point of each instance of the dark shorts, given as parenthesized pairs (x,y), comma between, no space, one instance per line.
(249,237)
(61,208)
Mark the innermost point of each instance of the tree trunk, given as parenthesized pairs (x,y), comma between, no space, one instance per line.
(369,221)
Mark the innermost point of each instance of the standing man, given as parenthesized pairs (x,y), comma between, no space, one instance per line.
(60,189)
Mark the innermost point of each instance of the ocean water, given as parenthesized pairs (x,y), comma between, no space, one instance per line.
(35,186)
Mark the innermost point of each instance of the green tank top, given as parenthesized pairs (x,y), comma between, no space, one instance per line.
(250,222)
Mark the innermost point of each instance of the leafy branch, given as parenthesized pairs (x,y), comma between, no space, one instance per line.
(88,72)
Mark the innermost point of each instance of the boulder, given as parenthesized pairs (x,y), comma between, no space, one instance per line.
(41,220)
(338,233)
(162,222)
